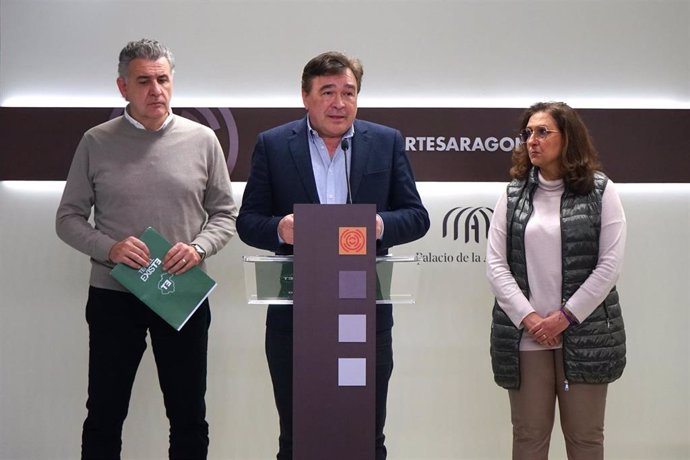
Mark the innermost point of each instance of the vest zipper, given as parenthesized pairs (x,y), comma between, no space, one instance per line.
(566,385)
(608,318)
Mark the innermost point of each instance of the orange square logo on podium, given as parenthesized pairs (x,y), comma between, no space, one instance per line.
(352,241)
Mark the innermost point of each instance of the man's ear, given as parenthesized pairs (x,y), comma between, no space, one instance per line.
(304,101)
(122,86)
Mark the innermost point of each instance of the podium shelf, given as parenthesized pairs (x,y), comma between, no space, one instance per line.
(269,279)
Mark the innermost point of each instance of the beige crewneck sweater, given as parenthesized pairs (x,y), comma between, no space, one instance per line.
(175,180)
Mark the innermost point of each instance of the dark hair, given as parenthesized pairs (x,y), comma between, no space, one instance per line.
(145,48)
(331,63)
(579,157)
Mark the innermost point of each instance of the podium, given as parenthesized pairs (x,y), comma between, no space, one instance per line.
(334,282)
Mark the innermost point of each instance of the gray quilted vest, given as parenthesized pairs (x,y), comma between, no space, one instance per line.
(593,351)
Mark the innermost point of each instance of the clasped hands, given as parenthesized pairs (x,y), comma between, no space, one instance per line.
(286,228)
(135,254)
(546,331)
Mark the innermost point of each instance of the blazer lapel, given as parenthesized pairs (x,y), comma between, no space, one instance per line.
(361,150)
(299,150)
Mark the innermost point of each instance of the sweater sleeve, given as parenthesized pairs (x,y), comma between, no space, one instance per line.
(611,251)
(219,204)
(72,223)
(503,284)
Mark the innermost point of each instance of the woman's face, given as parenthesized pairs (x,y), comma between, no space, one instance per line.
(545,147)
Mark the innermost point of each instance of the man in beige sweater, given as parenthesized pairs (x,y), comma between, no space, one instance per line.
(148,167)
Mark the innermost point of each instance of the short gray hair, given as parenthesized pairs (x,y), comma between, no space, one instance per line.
(145,48)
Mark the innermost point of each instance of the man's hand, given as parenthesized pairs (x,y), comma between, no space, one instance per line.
(286,229)
(180,258)
(131,251)
(379,227)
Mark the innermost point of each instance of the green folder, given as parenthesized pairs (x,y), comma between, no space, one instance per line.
(174,298)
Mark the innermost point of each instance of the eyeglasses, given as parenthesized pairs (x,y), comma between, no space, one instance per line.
(540,132)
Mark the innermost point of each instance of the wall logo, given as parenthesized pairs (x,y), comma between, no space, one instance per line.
(220,120)
(469,226)
(472,223)
(460,144)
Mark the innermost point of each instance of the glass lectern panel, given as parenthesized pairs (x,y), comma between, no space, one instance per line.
(269,279)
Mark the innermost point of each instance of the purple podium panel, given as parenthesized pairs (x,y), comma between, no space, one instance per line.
(334,314)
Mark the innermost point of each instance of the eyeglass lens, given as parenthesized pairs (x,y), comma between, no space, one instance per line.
(540,131)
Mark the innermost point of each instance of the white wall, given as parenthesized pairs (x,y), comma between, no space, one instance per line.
(443,403)
(430,52)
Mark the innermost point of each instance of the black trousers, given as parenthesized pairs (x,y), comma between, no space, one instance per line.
(279,356)
(118,324)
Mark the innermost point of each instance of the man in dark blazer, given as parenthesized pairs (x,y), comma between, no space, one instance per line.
(328,157)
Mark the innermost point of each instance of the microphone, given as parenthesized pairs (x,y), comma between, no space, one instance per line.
(344,144)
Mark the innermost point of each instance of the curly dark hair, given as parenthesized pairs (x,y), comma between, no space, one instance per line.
(579,158)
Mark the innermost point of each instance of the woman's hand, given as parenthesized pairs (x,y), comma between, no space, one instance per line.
(546,331)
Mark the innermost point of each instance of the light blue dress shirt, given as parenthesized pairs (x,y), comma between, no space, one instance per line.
(330,174)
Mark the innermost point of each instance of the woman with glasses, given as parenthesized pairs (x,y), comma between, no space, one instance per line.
(554,253)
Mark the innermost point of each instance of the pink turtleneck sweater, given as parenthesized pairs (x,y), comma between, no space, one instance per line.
(543,255)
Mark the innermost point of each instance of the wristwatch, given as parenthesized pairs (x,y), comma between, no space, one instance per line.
(199,250)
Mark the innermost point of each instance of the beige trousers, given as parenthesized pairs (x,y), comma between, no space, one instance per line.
(532,407)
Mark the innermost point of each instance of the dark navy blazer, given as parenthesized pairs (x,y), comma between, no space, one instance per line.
(282,175)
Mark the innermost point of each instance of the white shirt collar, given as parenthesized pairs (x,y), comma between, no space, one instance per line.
(348,134)
(138,125)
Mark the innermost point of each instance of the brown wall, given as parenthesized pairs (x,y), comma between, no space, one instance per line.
(444,144)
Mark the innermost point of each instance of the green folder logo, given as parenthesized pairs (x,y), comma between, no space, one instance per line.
(166,284)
